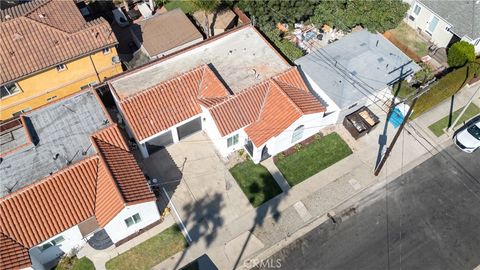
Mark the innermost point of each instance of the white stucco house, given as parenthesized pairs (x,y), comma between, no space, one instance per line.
(64,185)
(355,71)
(445,22)
(235,87)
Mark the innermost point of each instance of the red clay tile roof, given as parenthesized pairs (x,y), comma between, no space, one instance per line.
(168,103)
(50,206)
(266,109)
(12,254)
(240,110)
(98,186)
(36,36)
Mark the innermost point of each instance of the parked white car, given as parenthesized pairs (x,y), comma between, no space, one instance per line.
(467,138)
(120,17)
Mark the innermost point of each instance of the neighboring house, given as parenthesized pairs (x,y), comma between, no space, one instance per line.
(166,33)
(446,22)
(355,71)
(69,178)
(234,86)
(220,21)
(48,52)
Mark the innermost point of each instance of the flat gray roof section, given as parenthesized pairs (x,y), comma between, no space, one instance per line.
(242,58)
(463,15)
(368,57)
(61,136)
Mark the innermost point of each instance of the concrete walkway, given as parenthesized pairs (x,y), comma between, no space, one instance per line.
(277,175)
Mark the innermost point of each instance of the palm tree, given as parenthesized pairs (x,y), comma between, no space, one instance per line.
(207,6)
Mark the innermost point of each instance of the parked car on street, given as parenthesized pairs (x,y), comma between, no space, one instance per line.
(120,17)
(467,138)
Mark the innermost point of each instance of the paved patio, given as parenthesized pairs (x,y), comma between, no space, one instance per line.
(203,191)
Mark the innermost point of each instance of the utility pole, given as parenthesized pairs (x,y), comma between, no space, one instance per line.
(463,111)
(395,138)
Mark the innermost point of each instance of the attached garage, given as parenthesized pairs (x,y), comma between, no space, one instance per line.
(159,142)
(189,128)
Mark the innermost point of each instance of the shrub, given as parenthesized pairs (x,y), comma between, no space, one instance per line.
(460,53)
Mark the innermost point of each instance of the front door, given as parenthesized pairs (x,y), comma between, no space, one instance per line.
(432,25)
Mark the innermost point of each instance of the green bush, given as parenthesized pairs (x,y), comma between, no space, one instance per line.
(73,263)
(289,49)
(460,53)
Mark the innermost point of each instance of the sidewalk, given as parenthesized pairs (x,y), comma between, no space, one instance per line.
(443,109)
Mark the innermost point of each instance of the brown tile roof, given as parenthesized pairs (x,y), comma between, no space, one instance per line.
(267,109)
(35,36)
(164,32)
(170,102)
(98,186)
(12,254)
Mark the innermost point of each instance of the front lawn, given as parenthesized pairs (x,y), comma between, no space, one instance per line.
(186,6)
(255,181)
(74,263)
(151,252)
(409,37)
(438,127)
(312,158)
(443,89)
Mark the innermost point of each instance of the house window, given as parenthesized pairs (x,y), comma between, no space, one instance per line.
(298,133)
(411,18)
(53,242)
(61,67)
(232,140)
(106,50)
(133,220)
(51,98)
(417,9)
(9,89)
(83,87)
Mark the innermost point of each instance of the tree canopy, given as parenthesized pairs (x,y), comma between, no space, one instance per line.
(380,15)
(460,53)
(274,11)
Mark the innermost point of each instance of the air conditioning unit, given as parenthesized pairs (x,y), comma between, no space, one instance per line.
(115,59)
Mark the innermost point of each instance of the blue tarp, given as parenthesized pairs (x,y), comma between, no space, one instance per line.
(396,118)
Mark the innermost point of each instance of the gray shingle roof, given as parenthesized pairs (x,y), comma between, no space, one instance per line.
(369,58)
(463,15)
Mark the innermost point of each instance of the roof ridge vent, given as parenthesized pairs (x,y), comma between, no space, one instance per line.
(17,36)
(42,15)
(7,16)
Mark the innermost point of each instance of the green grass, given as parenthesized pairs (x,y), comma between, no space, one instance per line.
(73,263)
(404,91)
(443,89)
(255,181)
(313,158)
(438,127)
(151,252)
(409,37)
(184,5)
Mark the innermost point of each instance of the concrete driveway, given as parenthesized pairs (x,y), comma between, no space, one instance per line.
(203,191)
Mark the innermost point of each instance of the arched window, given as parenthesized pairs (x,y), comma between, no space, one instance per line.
(297,133)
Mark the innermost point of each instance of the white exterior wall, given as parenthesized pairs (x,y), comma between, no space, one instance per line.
(475,43)
(73,239)
(312,123)
(117,229)
(440,36)
(220,142)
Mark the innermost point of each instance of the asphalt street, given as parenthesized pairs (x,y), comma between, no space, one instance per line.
(429,218)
